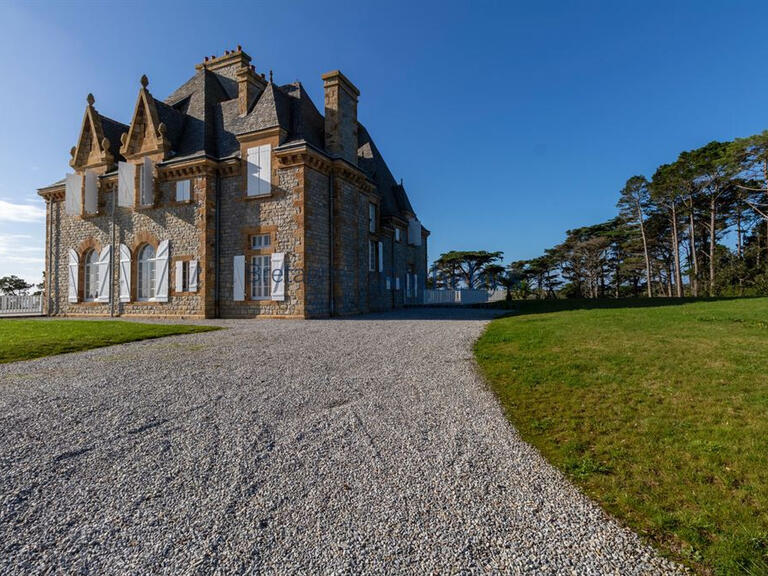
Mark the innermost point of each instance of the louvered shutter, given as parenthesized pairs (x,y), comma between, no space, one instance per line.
(252,171)
(125,273)
(277,276)
(161,271)
(105,274)
(148,183)
(238,292)
(265,170)
(193,275)
(126,184)
(74,275)
(179,276)
(91,192)
(381,256)
(73,195)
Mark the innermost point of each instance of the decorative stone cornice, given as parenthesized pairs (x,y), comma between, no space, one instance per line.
(305,156)
(354,175)
(199,167)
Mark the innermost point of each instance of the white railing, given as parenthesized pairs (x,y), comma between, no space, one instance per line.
(23,305)
(455,296)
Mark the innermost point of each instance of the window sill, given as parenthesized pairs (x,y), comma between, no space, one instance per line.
(247,198)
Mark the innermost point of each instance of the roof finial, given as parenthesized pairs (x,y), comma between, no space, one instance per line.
(144,81)
(270,76)
(90,99)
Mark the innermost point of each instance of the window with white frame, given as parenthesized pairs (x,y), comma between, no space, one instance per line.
(371,256)
(145,289)
(260,279)
(260,241)
(184,269)
(371,217)
(91,276)
(183,188)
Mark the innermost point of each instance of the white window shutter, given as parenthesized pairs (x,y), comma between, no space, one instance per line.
(126,184)
(73,197)
(381,256)
(414,232)
(238,292)
(265,172)
(105,274)
(389,283)
(179,276)
(125,273)
(161,271)
(252,172)
(148,183)
(74,275)
(277,276)
(397,282)
(91,192)
(193,275)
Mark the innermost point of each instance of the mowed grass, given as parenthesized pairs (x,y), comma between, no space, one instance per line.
(659,413)
(23,339)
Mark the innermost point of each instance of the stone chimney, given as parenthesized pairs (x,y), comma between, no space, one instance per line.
(340,116)
(249,86)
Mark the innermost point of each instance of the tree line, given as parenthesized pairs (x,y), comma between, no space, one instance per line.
(697,227)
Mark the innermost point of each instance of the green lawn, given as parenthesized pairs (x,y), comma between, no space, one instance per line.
(660,413)
(22,339)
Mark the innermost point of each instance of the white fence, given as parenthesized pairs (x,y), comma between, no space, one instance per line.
(21,305)
(455,296)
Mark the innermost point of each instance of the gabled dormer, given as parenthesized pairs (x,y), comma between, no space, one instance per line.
(93,150)
(147,135)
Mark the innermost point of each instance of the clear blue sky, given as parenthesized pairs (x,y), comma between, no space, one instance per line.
(509,122)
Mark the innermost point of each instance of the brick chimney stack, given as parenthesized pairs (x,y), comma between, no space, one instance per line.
(340,116)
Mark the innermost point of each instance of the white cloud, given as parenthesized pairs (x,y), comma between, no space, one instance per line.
(21,257)
(10,212)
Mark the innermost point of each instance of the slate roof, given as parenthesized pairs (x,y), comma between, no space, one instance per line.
(112,131)
(202,119)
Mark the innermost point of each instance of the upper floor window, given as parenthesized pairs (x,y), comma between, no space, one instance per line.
(183,191)
(146,273)
(397,234)
(372,217)
(259,241)
(91,269)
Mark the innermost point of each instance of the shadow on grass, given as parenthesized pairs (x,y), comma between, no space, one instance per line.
(522,307)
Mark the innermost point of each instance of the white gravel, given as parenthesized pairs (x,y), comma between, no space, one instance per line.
(360,446)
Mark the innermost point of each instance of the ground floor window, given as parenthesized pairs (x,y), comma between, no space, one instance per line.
(91,288)
(146,273)
(260,269)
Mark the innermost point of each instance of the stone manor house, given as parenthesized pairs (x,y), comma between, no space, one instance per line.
(234,197)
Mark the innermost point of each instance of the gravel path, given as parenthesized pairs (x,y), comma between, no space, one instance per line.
(367,445)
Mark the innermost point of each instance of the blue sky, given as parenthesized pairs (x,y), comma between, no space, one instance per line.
(509,122)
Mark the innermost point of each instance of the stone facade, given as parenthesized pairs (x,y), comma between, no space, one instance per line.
(316,210)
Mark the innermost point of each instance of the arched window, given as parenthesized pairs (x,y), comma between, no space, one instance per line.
(91,264)
(146,273)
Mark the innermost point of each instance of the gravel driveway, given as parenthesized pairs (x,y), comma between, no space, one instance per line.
(367,445)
